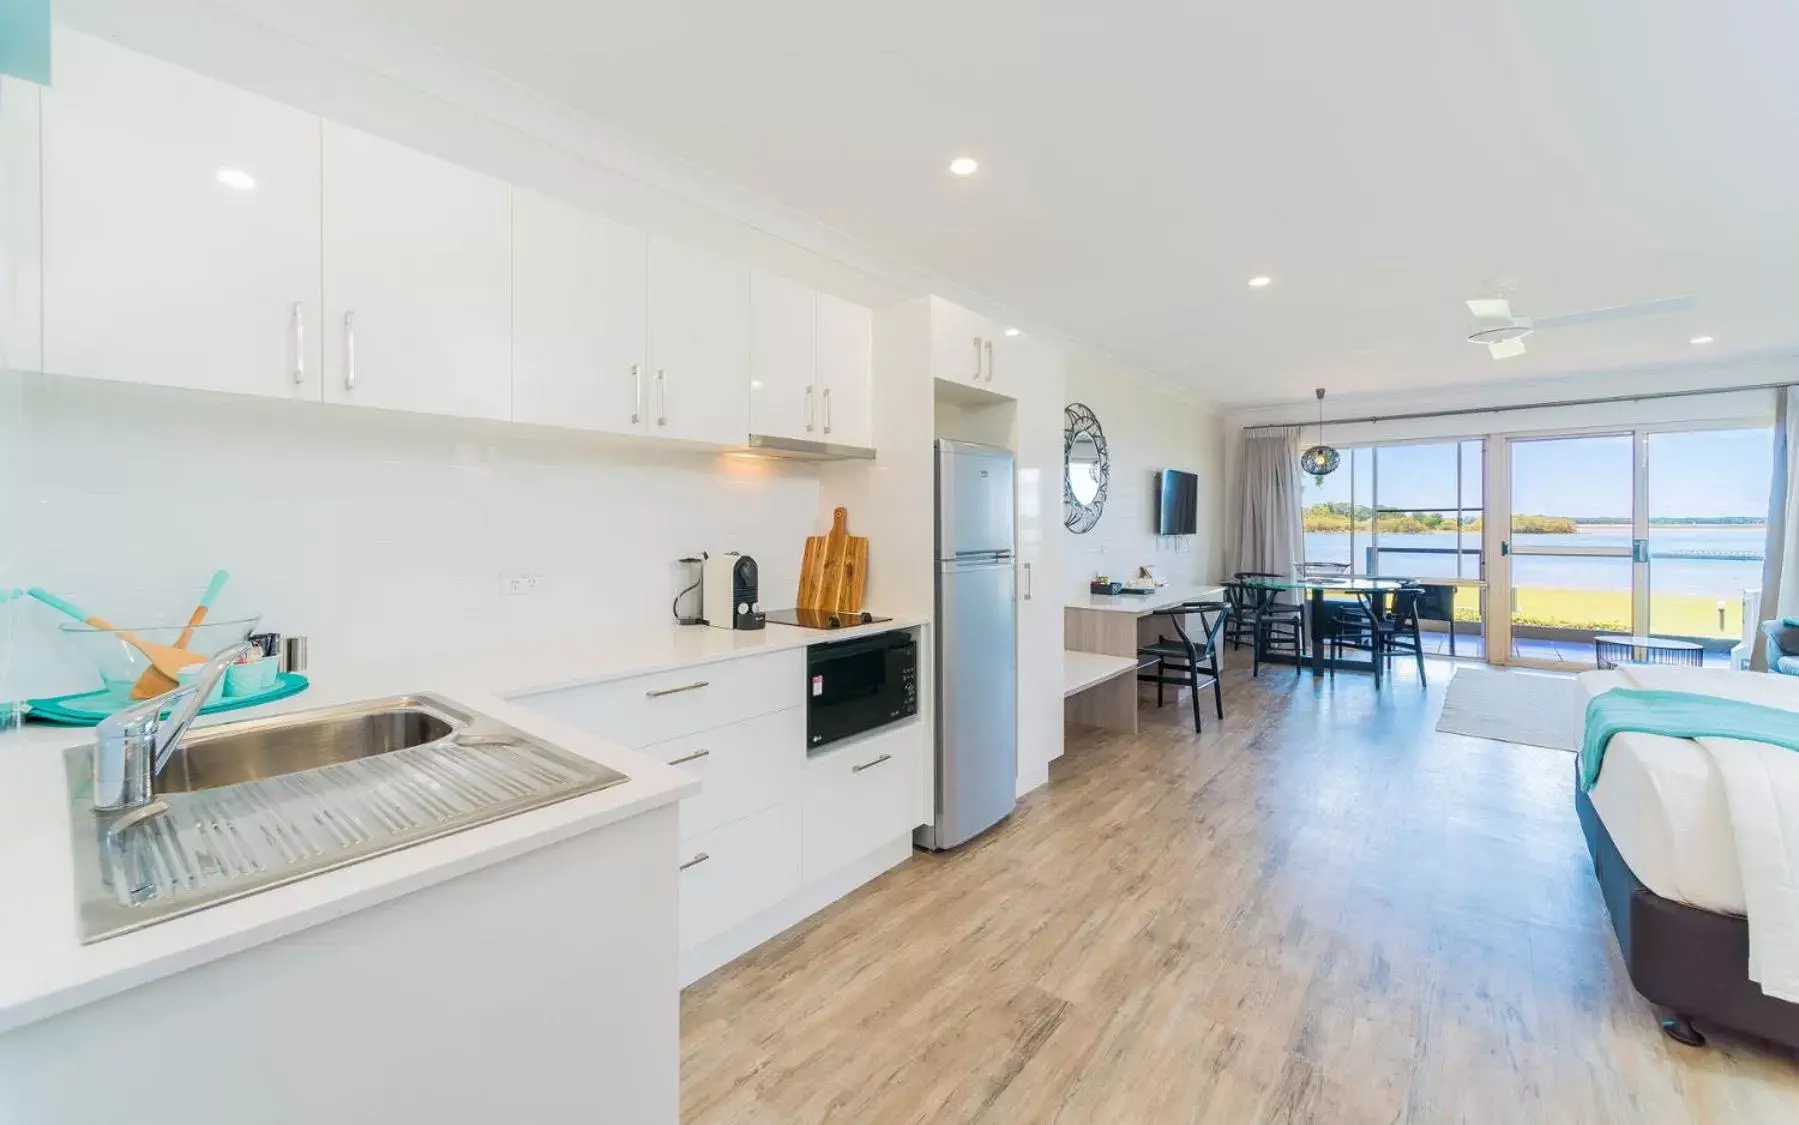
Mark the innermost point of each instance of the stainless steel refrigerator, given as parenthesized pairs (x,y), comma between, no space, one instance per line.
(977,644)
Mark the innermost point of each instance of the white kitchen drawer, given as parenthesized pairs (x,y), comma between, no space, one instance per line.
(648,709)
(745,767)
(861,794)
(733,873)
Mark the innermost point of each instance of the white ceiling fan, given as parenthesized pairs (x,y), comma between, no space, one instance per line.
(1504,334)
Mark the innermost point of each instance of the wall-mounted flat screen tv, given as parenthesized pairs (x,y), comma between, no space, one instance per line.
(1177,503)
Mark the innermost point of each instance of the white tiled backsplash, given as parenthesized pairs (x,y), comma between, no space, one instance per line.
(373,533)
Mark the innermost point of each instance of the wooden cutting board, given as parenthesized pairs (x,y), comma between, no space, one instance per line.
(834,572)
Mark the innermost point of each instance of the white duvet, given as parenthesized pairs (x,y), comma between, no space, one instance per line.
(1761,786)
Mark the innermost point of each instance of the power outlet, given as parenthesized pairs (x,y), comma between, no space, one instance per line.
(519,583)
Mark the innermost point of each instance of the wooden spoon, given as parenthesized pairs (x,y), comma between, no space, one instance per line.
(146,685)
(166,661)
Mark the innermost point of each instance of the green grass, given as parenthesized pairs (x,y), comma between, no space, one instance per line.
(1683,615)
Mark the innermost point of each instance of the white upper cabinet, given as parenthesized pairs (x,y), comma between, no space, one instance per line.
(418,294)
(1008,364)
(698,382)
(180,228)
(784,359)
(579,291)
(846,340)
(971,350)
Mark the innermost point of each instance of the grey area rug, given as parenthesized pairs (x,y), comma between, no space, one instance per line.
(1536,710)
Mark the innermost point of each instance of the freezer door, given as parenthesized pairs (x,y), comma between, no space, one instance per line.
(977,716)
(974,500)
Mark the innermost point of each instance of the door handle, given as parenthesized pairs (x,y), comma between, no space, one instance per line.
(827,398)
(1505,547)
(661,397)
(1027,582)
(989,347)
(1639,550)
(299,343)
(808,409)
(977,359)
(871,764)
(636,393)
(696,860)
(660,692)
(349,351)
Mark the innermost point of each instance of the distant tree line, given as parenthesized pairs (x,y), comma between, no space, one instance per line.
(1339,515)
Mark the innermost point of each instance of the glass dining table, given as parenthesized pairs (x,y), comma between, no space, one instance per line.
(1373,592)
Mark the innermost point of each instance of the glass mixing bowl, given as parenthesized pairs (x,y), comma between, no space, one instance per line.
(120,662)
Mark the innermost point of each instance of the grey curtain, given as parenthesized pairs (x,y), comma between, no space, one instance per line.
(1780,569)
(1268,517)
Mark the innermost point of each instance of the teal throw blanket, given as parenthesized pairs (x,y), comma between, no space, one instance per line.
(1678,714)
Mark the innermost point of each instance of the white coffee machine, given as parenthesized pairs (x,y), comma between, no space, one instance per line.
(728,592)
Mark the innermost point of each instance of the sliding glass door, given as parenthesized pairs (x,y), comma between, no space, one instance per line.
(1575,559)
(1638,532)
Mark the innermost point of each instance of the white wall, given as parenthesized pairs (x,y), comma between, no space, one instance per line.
(373,533)
(1146,431)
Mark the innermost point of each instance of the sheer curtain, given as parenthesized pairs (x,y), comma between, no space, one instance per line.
(1780,569)
(1268,518)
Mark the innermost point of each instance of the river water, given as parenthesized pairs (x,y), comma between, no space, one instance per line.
(1723,578)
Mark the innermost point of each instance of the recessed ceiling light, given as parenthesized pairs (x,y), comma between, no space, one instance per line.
(1700,340)
(963,166)
(1011,331)
(1260,281)
(755,384)
(236,178)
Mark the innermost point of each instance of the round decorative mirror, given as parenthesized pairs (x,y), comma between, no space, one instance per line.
(1086,468)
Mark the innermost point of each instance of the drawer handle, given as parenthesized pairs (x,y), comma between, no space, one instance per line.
(697,860)
(693,757)
(870,765)
(660,692)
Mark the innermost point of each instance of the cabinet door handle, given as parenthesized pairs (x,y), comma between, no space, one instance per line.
(808,409)
(299,326)
(1027,582)
(693,757)
(989,346)
(977,359)
(349,351)
(870,765)
(697,860)
(636,393)
(660,692)
(827,397)
(661,397)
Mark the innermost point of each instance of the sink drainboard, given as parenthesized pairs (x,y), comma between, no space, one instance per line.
(215,845)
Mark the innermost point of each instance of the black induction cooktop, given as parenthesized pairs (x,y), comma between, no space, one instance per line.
(822,618)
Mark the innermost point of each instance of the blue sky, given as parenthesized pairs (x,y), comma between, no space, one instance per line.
(1697,473)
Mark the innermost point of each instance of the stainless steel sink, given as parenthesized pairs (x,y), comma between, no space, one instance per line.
(263,748)
(260,803)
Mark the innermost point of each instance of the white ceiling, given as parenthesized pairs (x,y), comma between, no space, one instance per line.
(1139,162)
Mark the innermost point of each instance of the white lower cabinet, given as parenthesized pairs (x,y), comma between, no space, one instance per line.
(733,873)
(860,795)
(745,767)
(774,833)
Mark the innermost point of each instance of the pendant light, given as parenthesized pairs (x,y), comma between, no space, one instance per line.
(1320,460)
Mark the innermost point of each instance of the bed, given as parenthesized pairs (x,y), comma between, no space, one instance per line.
(1660,833)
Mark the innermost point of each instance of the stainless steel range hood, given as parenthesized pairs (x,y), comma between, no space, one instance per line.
(793,449)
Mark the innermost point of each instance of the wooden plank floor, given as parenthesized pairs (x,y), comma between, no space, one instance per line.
(1318,910)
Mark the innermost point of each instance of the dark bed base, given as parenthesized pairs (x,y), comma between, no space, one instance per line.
(1693,962)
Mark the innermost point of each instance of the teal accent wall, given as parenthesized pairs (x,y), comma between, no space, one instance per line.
(25,40)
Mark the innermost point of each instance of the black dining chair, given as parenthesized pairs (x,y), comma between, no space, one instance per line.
(1438,604)
(1184,660)
(1397,630)
(1244,602)
(1353,627)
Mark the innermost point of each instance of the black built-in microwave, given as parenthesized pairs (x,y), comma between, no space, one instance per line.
(856,686)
